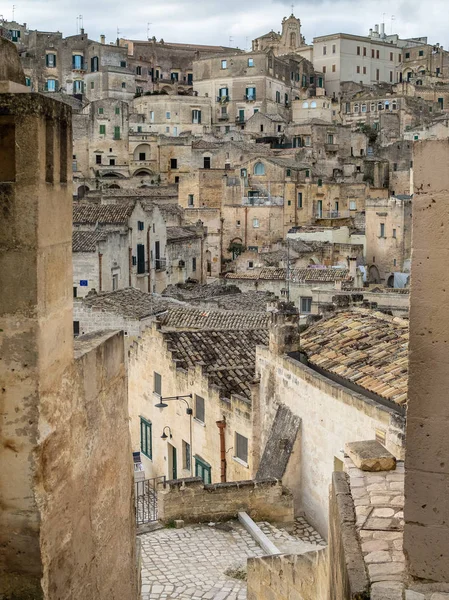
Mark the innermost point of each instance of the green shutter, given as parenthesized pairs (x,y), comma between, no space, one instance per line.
(116,133)
(199,116)
(102,129)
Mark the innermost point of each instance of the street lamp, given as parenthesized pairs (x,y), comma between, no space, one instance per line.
(162,404)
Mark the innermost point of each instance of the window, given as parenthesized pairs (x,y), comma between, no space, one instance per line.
(334,48)
(206,162)
(223,92)
(278,97)
(157,383)
(78,86)
(306,305)
(241,447)
(307,173)
(142,156)
(101,111)
(382,230)
(123,64)
(320,182)
(364,70)
(358,69)
(203,470)
(259,169)
(174,77)
(196,116)
(250,264)
(173,163)
(394,233)
(441,103)
(138,70)
(407,55)
(98,159)
(299,199)
(377,75)
(146,438)
(238,223)
(352,205)
(77,61)
(167,115)
(330,138)
(251,93)
(50,60)
(324,70)
(116,133)
(50,85)
(112,162)
(261,128)
(250,62)
(363,108)
(186,456)
(421,53)
(324,50)
(75,291)
(194,263)
(289,173)
(391,76)
(117,110)
(199,409)
(140,259)
(394,262)
(255,223)
(28,81)
(307,140)
(358,50)
(377,54)
(151,116)
(190,200)
(364,50)
(94,64)
(391,56)
(102,129)
(140,225)
(76,328)
(115,282)
(333,68)
(224,64)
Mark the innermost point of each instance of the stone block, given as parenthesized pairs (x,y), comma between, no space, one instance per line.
(370,456)
(391,590)
(412,595)
(179,523)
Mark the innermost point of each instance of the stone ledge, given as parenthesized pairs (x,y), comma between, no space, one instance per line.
(370,456)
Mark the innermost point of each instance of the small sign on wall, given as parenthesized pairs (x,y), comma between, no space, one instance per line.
(83,282)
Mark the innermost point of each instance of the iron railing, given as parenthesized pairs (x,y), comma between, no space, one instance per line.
(146,499)
(161,264)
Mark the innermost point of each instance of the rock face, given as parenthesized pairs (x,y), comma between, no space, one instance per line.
(370,456)
(10,67)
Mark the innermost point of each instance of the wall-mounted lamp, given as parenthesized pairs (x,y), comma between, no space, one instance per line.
(164,436)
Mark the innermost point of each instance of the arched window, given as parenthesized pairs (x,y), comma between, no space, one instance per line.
(394,105)
(373,106)
(380,106)
(356,107)
(305,105)
(363,108)
(259,169)
(313,104)
(387,105)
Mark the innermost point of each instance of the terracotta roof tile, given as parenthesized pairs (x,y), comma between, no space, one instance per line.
(86,241)
(108,214)
(187,318)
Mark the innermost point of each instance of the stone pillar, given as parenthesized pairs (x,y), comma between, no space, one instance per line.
(284,331)
(426,537)
(36,335)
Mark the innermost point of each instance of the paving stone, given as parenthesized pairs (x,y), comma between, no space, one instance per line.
(412,595)
(377,557)
(374,545)
(391,590)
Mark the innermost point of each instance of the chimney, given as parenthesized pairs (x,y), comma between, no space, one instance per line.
(371,32)
(352,267)
(284,331)
(382,30)
(102,39)
(376,28)
(82,31)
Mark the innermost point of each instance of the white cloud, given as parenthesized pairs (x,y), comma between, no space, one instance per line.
(213,22)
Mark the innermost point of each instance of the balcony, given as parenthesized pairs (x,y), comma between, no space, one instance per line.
(223,118)
(240,120)
(332,214)
(223,99)
(331,147)
(263,201)
(249,98)
(160,264)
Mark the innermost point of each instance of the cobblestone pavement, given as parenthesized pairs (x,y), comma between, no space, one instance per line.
(203,562)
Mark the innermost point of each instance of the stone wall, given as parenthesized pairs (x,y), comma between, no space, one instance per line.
(347,574)
(289,577)
(193,501)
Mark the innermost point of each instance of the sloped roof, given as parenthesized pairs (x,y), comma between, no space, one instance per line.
(193,318)
(86,241)
(129,302)
(228,356)
(368,349)
(180,233)
(105,214)
(328,274)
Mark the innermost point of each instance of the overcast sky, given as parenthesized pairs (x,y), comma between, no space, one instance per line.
(215,22)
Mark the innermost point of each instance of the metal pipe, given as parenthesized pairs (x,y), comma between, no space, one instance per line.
(222,426)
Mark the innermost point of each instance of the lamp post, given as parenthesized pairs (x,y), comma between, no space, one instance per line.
(164,436)
(162,404)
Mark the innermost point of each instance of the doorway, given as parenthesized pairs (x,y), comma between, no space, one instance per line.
(172,462)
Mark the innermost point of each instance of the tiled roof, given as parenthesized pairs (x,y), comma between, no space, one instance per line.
(180,233)
(86,241)
(253,301)
(328,274)
(128,302)
(228,356)
(104,214)
(193,318)
(369,349)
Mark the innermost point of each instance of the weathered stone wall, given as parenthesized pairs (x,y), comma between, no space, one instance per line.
(347,574)
(426,536)
(192,501)
(289,577)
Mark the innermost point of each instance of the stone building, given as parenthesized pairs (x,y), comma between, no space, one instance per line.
(187,257)
(337,400)
(139,261)
(285,42)
(66,484)
(207,430)
(241,84)
(388,238)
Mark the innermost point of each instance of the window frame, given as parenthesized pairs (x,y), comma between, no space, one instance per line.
(200,413)
(241,440)
(146,426)
(308,300)
(157,384)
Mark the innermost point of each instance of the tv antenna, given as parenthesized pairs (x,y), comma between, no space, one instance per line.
(393,18)
(79,23)
(231,40)
(293,8)
(13,11)
(148,30)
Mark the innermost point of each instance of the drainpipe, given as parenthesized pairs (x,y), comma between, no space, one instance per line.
(149,257)
(246,225)
(100,271)
(222,426)
(130,265)
(221,246)
(201,259)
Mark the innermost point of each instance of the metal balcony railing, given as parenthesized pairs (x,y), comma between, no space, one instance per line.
(160,264)
(332,214)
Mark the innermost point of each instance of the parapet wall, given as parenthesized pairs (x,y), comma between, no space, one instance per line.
(289,576)
(347,574)
(193,501)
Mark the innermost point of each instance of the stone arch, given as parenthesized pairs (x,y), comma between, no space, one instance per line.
(143,173)
(114,186)
(112,175)
(142,149)
(390,281)
(374,275)
(82,191)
